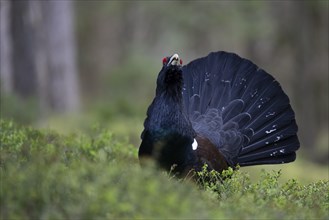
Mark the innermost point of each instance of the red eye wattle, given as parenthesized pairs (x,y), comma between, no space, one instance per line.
(164,60)
(180,61)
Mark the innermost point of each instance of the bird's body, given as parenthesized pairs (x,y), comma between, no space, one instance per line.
(221,110)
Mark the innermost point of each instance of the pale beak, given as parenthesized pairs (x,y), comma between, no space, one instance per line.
(174,60)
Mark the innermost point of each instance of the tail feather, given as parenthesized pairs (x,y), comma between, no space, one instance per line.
(240,119)
(249,101)
(241,87)
(270,111)
(277,138)
(194,103)
(287,146)
(286,158)
(275,126)
(233,109)
(220,94)
(227,65)
(206,94)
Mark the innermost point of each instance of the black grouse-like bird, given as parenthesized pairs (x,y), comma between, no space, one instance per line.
(222,110)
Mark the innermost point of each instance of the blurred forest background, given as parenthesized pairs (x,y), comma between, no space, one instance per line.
(69,65)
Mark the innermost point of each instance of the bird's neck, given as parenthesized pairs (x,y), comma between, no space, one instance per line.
(168,133)
(168,113)
(173,97)
(172,93)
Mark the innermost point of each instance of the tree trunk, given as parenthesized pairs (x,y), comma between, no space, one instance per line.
(62,75)
(5,47)
(23,44)
(42,63)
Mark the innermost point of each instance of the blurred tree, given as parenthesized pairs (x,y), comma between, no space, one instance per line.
(23,31)
(5,47)
(302,34)
(62,70)
(42,63)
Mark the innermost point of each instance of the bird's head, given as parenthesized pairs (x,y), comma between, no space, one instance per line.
(170,77)
(173,60)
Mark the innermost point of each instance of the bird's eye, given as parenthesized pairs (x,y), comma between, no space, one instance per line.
(164,60)
(180,61)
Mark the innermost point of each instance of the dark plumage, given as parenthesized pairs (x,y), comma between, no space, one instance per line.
(236,112)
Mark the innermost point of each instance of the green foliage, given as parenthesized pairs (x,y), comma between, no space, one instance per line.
(95,176)
(46,175)
(239,198)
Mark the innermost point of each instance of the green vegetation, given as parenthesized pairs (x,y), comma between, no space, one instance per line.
(52,176)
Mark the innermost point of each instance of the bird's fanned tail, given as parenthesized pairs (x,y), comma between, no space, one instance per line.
(243,106)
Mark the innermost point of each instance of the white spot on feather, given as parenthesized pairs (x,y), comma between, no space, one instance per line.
(273,153)
(254,93)
(278,138)
(270,114)
(194,144)
(225,81)
(207,77)
(270,131)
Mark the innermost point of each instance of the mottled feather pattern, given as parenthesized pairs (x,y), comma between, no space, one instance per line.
(226,135)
